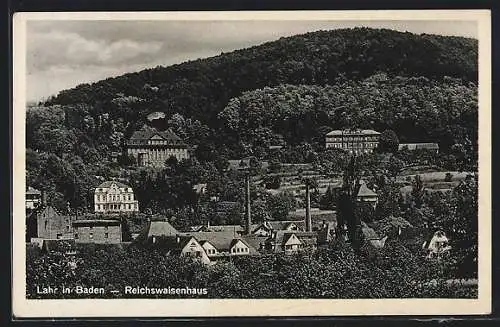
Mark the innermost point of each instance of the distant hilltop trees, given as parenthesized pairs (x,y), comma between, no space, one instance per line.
(201,88)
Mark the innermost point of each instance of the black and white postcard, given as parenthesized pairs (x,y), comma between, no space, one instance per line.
(205,164)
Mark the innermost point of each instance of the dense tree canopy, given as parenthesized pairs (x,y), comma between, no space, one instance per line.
(416,109)
(199,89)
(332,273)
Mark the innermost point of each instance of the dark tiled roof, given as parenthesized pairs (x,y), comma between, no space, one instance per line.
(220,240)
(109,183)
(143,135)
(224,228)
(157,228)
(175,243)
(254,241)
(349,132)
(282,224)
(308,238)
(48,208)
(90,222)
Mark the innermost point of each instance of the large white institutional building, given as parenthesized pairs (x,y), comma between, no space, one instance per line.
(114,197)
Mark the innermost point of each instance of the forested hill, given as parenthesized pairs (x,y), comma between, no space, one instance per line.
(201,89)
(289,91)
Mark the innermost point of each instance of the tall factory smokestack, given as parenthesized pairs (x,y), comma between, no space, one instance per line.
(308,209)
(248,216)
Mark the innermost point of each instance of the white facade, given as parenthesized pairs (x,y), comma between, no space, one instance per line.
(353,141)
(292,245)
(210,250)
(240,248)
(33,198)
(110,197)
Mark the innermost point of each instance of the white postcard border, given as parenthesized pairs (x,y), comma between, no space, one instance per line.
(25,308)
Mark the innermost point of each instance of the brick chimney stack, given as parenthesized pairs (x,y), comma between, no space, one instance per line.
(44,198)
(308,209)
(248,215)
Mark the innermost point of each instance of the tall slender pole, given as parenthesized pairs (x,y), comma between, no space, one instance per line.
(308,209)
(248,218)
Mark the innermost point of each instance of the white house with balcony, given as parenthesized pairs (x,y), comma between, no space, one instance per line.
(114,197)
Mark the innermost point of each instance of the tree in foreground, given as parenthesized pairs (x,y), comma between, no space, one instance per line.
(388,142)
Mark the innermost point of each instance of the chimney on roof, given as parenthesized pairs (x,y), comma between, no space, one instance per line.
(248,215)
(44,198)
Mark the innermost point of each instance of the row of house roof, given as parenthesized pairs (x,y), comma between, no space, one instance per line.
(210,244)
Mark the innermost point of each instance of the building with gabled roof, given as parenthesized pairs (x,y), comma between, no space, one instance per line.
(434,147)
(437,244)
(365,195)
(103,231)
(220,244)
(181,245)
(353,140)
(114,197)
(151,147)
(156,229)
(255,241)
(209,246)
(46,222)
(33,198)
(289,242)
(267,227)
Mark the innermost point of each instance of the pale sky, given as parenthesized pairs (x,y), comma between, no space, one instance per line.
(63,54)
